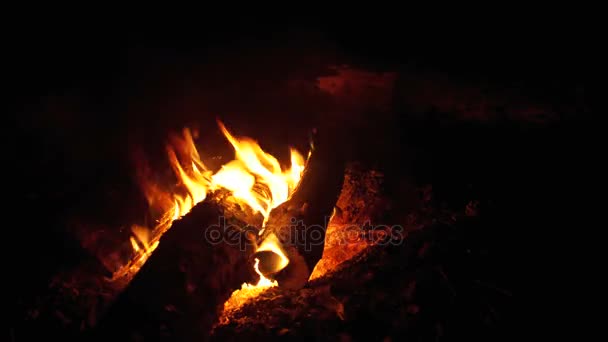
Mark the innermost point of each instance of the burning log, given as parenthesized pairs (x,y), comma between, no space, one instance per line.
(198,263)
(300,223)
(209,253)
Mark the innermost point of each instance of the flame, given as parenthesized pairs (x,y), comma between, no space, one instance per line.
(248,291)
(143,245)
(254,178)
(134,244)
(196,181)
(272,244)
(263,282)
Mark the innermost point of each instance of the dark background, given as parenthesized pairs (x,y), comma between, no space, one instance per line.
(82,94)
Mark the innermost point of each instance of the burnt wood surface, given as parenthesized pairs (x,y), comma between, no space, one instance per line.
(301,222)
(177,294)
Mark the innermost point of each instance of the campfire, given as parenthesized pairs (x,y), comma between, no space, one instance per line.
(268,241)
(225,236)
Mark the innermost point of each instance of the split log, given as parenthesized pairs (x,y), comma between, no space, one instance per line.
(180,290)
(300,223)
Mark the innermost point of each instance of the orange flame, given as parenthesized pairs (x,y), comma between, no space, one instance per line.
(263,282)
(251,166)
(143,245)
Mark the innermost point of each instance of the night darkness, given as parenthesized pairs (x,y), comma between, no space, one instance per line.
(491,110)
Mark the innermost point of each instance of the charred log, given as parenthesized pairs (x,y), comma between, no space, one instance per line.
(199,262)
(301,222)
